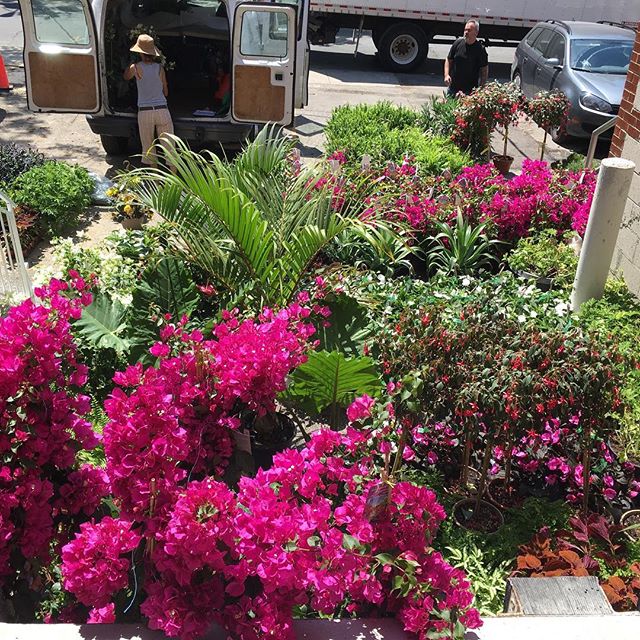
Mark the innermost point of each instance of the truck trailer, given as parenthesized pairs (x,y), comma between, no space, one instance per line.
(403,29)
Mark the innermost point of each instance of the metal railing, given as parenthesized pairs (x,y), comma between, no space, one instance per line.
(14,278)
(594,140)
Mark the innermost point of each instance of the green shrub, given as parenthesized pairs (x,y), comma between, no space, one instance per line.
(16,160)
(58,191)
(545,256)
(387,134)
(438,117)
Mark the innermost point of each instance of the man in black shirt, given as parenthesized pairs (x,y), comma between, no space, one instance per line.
(467,63)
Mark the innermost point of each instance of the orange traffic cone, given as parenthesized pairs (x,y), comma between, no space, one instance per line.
(5,87)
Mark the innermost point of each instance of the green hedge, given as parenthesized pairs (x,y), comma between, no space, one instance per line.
(387,133)
(57,191)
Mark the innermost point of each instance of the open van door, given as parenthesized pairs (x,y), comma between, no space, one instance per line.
(263,61)
(60,56)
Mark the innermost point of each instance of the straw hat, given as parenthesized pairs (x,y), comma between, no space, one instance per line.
(145,44)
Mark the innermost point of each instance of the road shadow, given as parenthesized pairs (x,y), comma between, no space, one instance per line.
(346,67)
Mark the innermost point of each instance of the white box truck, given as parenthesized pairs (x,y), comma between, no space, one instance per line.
(75,52)
(403,29)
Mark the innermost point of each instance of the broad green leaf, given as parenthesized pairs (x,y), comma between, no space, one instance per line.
(104,323)
(330,380)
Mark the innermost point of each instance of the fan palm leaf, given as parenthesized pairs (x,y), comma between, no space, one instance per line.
(251,221)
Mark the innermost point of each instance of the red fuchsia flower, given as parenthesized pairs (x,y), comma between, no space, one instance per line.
(360,408)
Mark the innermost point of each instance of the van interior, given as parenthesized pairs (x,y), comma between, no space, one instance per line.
(194,39)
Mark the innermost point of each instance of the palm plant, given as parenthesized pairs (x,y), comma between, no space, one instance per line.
(252,225)
(462,248)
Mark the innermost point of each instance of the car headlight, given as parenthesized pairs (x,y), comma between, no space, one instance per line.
(589,101)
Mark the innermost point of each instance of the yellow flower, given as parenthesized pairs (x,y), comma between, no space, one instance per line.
(128,209)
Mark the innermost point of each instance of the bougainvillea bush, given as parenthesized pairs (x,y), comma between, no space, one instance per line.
(537,199)
(44,493)
(302,536)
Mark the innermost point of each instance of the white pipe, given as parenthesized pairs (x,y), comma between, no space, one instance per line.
(607,209)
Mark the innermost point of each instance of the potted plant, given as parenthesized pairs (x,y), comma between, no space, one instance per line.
(545,259)
(630,522)
(548,109)
(129,210)
(494,104)
(507,100)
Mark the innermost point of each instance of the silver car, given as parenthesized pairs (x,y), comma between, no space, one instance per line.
(587,61)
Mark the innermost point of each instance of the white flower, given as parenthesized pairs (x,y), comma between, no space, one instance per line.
(534,314)
(522,318)
(466,281)
(562,308)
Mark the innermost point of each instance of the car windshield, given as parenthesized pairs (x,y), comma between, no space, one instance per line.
(601,56)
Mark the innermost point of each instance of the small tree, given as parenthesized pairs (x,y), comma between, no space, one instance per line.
(548,109)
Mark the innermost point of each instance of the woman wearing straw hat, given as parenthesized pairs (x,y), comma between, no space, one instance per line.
(154,118)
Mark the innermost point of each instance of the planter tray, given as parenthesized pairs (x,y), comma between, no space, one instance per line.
(563,595)
(619,626)
(364,629)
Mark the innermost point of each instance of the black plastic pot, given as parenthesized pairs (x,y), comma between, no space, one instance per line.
(464,515)
(265,446)
(544,284)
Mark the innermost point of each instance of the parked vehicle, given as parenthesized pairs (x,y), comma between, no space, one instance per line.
(587,61)
(403,29)
(75,52)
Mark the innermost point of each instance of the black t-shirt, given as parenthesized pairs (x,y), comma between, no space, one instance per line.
(468,59)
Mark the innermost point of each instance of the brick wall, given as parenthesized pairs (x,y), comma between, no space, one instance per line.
(626,144)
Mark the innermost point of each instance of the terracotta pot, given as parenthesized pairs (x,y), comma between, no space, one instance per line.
(488,520)
(133,224)
(503,164)
(631,519)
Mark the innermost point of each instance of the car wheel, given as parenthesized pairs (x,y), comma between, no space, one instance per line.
(517,80)
(403,47)
(559,134)
(115,145)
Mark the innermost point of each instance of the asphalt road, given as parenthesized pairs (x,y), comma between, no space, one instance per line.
(338,76)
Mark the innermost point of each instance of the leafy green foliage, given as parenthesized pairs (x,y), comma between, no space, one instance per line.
(616,317)
(252,226)
(15,160)
(462,248)
(488,559)
(58,191)
(387,134)
(329,380)
(349,325)
(546,256)
(166,288)
(438,117)
(103,324)
(383,250)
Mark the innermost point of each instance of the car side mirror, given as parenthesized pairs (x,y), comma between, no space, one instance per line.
(554,62)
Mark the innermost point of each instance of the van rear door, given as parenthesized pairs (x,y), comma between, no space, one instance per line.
(60,56)
(264,57)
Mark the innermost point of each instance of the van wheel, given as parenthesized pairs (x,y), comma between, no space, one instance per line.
(403,47)
(115,145)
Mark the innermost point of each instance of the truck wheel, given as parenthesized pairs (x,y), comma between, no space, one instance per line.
(403,47)
(115,145)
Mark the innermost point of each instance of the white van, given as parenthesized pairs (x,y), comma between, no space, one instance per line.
(75,52)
